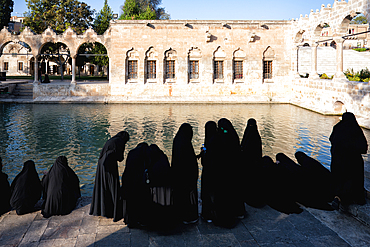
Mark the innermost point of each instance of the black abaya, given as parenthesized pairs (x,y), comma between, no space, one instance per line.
(61,189)
(4,191)
(135,192)
(254,184)
(279,195)
(207,180)
(106,200)
(347,166)
(318,180)
(26,189)
(224,156)
(185,173)
(146,188)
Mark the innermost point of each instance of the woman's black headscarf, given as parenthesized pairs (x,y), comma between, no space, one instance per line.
(4,191)
(348,142)
(26,189)
(185,173)
(106,199)
(254,184)
(61,189)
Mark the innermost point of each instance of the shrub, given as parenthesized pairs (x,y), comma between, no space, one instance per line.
(360,49)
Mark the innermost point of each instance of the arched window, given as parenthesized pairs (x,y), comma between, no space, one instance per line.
(218,65)
(132,61)
(151,59)
(238,61)
(194,57)
(170,57)
(268,59)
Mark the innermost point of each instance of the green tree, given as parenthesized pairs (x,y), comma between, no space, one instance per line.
(360,19)
(102,20)
(6,8)
(154,5)
(143,10)
(130,10)
(59,15)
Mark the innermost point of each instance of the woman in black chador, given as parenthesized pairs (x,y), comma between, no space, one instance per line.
(106,200)
(26,189)
(61,189)
(4,191)
(318,182)
(135,192)
(279,195)
(146,188)
(208,182)
(347,166)
(224,154)
(185,172)
(254,184)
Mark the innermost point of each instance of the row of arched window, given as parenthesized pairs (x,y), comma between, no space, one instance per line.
(193,70)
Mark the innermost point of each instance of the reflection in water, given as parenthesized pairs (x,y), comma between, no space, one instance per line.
(42,132)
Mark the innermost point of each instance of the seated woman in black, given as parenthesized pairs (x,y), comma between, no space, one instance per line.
(106,200)
(61,189)
(26,189)
(4,191)
(348,142)
(185,174)
(318,189)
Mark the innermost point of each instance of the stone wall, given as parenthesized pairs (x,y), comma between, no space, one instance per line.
(70,90)
(204,41)
(331,96)
(326,60)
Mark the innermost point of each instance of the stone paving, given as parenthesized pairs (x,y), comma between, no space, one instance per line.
(261,227)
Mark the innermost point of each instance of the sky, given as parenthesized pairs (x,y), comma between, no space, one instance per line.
(216,9)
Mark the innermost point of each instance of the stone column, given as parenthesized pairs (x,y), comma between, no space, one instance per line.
(36,70)
(313,73)
(73,69)
(339,74)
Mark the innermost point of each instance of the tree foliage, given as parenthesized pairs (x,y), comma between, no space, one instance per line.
(102,20)
(6,8)
(143,10)
(55,52)
(59,15)
(360,19)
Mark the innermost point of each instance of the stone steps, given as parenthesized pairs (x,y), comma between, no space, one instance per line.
(23,90)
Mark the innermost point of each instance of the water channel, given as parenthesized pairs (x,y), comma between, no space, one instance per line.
(42,132)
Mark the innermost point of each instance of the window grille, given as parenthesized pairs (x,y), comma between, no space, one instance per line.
(20,66)
(132,69)
(267,69)
(6,66)
(151,69)
(238,69)
(219,69)
(170,69)
(194,69)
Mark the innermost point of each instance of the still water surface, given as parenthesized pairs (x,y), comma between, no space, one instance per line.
(42,132)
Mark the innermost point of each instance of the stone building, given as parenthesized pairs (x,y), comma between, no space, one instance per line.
(203,61)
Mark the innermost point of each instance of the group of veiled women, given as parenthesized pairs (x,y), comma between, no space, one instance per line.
(155,193)
(59,188)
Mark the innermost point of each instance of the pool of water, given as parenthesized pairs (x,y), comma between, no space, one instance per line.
(42,132)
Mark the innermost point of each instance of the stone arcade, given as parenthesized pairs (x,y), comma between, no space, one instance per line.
(213,61)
